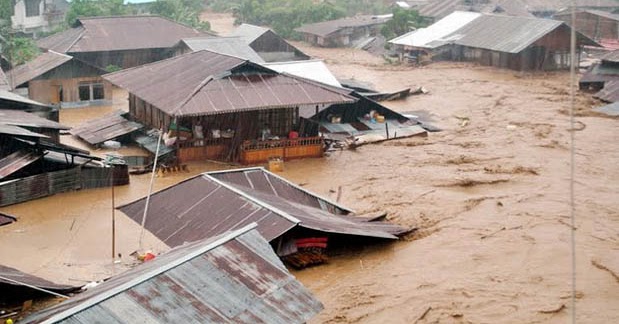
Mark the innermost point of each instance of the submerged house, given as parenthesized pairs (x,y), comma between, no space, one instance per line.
(518,43)
(342,32)
(293,219)
(229,278)
(33,164)
(595,24)
(603,78)
(215,106)
(269,46)
(61,80)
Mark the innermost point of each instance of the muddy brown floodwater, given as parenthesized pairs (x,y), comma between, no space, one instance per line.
(490,195)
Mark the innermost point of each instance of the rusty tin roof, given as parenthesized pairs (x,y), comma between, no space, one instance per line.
(24,119)
(96,34)
(40,65)
(212,203)
(231,278)
(326,28)
(208,83)
(105,128)
(14,277)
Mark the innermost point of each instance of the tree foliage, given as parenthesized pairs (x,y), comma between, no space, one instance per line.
(94,8)
(403,21)
(183,11)
(20,50)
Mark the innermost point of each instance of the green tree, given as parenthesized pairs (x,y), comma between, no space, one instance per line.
(183,11)
(20,50)
(403,21)
(93,8)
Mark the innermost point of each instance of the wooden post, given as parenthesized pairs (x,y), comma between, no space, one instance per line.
(113,217)
(387,128)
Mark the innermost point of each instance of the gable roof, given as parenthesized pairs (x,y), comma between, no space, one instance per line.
(215,202)
(231,278)
(95,34)
(422,37)
(40,65)
(248,33)
(326,28)
(232,46)
(310,69)
(207,83)
(604,14)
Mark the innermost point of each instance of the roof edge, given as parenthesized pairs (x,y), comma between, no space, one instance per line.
(224,238)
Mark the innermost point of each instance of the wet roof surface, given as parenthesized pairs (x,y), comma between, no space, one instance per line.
(231,278)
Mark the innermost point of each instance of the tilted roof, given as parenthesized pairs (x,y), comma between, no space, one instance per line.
(14,277)
(248,33)
(212,203)
(207,83)
(94,34)
(231,278)
(24,119)
(328,27)
(310,69)
(232,46)
(40,65)
(422,37)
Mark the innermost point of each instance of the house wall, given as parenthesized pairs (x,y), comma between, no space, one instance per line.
(48,91)
(148,114)
(19,21)
(272,48)
(124,59)
(593,26)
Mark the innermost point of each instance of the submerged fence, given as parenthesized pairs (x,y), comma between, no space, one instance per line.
(50,183)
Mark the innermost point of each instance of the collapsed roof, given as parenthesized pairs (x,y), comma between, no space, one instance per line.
(214,202)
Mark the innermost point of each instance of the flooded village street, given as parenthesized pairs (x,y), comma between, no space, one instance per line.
(489,195)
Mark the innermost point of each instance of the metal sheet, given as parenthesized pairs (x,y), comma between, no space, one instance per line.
(212,203)
(105,128)
(24,119)
(38,66)
(6,219)
(326,28)
(610,92)
(422,37)
(16,161)
(610,110)
(248,33)
(231,278)
(309,69)
(202,85)
(13,277)
(233,46)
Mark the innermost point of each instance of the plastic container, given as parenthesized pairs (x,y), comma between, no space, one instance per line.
(276,164)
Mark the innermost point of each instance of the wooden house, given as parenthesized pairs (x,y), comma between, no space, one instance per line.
(342,32)
(119,42)
(215,106)
(61,80)
(514,42)
(269,46)
(595,24)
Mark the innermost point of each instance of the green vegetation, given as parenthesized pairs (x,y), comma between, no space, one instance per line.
(20,50)
(94,8)
(286,15)
(183,11)
(403,22)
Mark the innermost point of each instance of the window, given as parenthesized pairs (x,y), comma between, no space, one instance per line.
(91,91)
(32,7)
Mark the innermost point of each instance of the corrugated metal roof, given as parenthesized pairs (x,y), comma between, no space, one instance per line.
(6,219)
(18,131)
(206,83)
(22,118)
(248,33)
(610,110)
(439,8)
(119,33)
(13,97)
(17,160)
(231,278)
(611,57)
(37,67)
(326,28)
(509,34)
(212,203)
(600,73)
(610,92)
(14,277)
(105,128)
(232,46)
(315,70)
(422,37)
(605,14)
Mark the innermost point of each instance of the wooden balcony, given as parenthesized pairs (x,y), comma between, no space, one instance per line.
(254,151)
